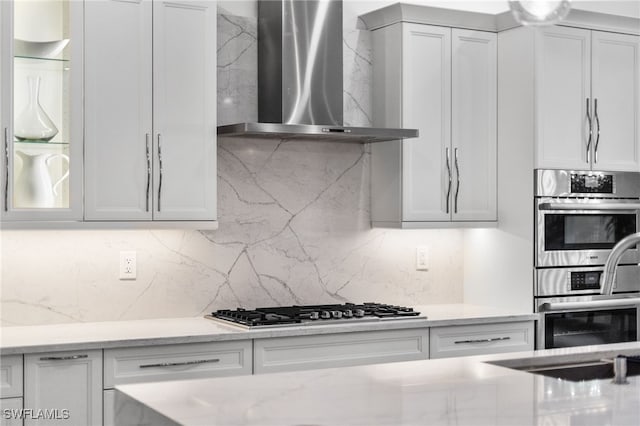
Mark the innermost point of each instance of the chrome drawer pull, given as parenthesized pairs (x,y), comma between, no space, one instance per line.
(63,358)
(177,364)
(493,339)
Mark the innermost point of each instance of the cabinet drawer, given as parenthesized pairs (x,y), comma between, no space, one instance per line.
(337,350)
(176,362)
(481,339)
(10,376)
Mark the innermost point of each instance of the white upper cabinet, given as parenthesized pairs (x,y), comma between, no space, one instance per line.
(447,90)
(587,99)
(151,129)
(474,115)
(615,74)
(118,117)
(426,105)
(41,111)
(184,110)
(563,77)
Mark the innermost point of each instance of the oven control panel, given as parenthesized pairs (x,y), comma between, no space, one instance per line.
(591,184)
(585,280)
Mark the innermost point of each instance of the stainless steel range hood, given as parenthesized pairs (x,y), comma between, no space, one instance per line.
(300,90)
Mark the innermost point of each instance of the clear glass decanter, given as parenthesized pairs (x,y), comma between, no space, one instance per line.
(33,123)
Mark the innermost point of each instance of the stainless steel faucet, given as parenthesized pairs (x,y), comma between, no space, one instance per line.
(610,266)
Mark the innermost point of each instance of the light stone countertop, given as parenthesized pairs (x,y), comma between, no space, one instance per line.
(454,391)
(113,334)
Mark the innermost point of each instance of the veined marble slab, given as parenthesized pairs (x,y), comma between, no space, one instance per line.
(455,391)
(111,334)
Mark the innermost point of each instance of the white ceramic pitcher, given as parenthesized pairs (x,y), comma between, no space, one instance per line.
(33,186)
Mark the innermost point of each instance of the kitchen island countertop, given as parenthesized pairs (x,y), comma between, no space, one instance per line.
(113,334)
(460,391)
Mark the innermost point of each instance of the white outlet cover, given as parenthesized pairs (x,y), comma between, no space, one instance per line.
(128,265)
(422,258)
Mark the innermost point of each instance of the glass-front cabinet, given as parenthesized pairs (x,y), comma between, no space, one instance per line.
(41,109)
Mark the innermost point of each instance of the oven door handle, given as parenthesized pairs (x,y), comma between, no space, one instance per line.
(593,304)
(585,206)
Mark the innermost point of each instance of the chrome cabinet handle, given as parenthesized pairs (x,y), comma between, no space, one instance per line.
(493,339)
(177,364)
(146,138)
(63,358)
(590,134)
(6,169)
(455,204)
(161,170)
(595,148)
(449,187)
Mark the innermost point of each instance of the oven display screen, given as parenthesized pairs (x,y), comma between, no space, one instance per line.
(586,231)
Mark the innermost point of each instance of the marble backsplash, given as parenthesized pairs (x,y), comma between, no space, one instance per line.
(293,227)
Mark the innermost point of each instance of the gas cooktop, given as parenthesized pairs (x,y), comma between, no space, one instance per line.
(313,314)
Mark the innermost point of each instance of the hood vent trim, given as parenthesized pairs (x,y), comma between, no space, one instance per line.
(315,132)
(300,73)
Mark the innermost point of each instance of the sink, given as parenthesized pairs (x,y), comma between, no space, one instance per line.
(577,372)
(599,366)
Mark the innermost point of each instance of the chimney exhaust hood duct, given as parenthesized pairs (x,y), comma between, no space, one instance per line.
(300,90)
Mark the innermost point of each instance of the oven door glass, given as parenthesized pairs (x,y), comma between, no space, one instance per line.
(568,329)
(586,231)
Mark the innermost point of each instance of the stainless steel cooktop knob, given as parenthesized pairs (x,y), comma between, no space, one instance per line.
(347,313)
(358,313)
(325,314)
(336,314)
(314,315)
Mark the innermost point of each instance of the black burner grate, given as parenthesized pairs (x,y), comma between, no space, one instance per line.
(298,314)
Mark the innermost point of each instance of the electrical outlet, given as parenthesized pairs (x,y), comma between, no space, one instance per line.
(422,258)
(128,267)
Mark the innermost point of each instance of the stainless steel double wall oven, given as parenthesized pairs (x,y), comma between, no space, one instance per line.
(580,216)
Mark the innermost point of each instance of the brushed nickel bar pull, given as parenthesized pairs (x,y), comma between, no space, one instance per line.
(161,170)
(592,304)
(6,170)
(449,187)
(146,138)
(455,205)
(595,148)
(493,339)
(178,364)
(590,134)
(584,206)
(63,358)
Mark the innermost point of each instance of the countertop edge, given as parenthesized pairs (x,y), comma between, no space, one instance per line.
(232,333)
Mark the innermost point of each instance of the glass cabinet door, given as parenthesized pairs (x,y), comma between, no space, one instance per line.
(42,109)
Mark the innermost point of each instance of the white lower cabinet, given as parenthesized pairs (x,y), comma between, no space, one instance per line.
(172,362)
(63,388)
(10,409)
(480,339)
(339,350)
(108,404)
(11,390)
